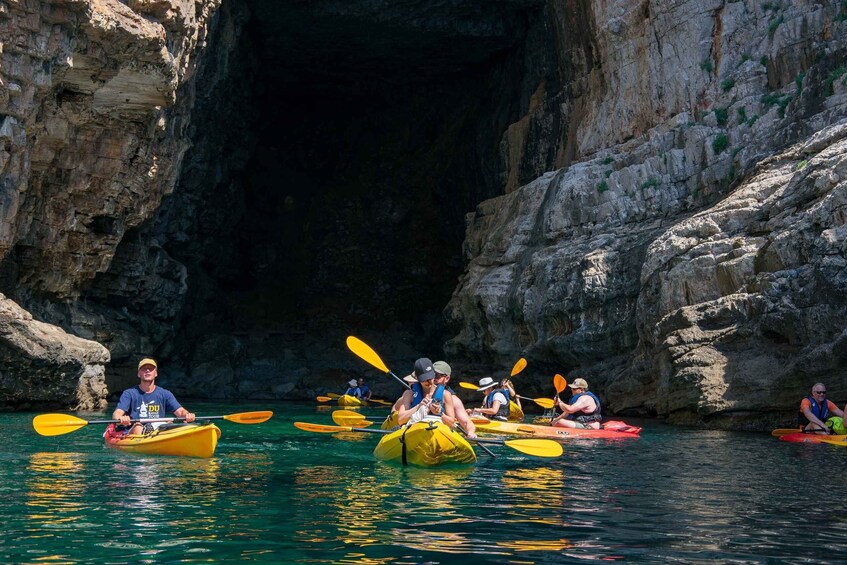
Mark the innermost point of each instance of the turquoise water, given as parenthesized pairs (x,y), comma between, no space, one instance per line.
(275,494)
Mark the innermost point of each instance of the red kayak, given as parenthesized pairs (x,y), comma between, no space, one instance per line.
(802,437)
(610,430)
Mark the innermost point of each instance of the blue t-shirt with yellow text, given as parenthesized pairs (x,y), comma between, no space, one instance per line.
(156,404)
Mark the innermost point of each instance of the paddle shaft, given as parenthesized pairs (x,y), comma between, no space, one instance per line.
(59,424)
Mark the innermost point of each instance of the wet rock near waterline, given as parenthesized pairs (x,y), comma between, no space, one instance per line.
(43,366)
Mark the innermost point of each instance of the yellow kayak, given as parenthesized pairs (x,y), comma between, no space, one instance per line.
(425,444)
(390,421)
(347,400)
(190,440)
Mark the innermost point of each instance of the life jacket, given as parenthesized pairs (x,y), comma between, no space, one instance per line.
(584,418)
(354,392)
(418,394)
(363,390)
(821,411)
(503,411)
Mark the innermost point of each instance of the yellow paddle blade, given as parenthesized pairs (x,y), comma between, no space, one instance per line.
(249,417)
(559,383)
(380,402)
(543,402)
(469,386)
(323,398)
(335,429)
(343,421)
(349,418)
(785,431)
(364,351)
(57,424)
(321,429)
(333,395)
(519,366)
(536,447)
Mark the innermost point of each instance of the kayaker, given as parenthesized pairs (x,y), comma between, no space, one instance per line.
(496,402)
(147,401)
(510,387)
(353,389)
(425,398)
(442,377)
(815,409)
(364,389)
(581,411)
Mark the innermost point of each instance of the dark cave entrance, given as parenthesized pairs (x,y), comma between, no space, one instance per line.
(372,133)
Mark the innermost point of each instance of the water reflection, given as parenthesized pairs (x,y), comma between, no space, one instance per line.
(56,487)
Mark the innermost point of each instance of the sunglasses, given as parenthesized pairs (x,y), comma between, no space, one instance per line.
(819,391)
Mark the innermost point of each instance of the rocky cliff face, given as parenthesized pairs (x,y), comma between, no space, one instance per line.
(92,134)
(687,262)
(652,190)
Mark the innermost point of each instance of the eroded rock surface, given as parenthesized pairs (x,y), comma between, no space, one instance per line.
(653,194)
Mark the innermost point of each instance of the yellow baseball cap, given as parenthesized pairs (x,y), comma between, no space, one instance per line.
(147,361)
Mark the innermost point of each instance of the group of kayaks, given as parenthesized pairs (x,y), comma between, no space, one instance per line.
(431,443)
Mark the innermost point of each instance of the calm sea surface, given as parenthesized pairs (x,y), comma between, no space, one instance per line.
(275,494)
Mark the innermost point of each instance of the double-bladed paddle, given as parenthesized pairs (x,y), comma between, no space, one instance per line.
(58,424)
(543,402)
(367,354)
(535,447)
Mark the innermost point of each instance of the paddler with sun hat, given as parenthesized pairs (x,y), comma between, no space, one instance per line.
(495,405)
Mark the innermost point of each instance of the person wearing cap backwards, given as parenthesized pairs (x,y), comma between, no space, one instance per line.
(496,402)
(581,411)
(442,377)
(353,389)
(146,400)
(425,397)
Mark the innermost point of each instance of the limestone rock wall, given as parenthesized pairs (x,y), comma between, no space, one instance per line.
(91,140)
(672,261)
(41,365)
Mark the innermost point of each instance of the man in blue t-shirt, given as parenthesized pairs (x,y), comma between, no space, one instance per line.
(147,401)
